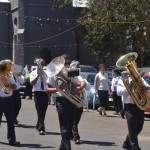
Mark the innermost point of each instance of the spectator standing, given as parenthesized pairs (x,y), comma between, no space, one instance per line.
(103,87)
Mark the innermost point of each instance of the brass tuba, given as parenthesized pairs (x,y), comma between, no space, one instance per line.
(5,68)
(63,83)
(140,98)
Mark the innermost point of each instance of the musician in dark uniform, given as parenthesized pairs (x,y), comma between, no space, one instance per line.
(19,79)
(38,79)
(6,103)
(134,115)
(74,133)
(64,107)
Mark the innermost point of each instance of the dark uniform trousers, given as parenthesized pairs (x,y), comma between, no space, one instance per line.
(77,116)
(65,111)
(41,104)
(6,107)
(17,103)
(117,103)
(135,121)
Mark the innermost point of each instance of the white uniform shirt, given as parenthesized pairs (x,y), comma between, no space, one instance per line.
(37,86)
(2,93)
(19,80)
(122,91)
(114,83)
(103,82)
(51,81)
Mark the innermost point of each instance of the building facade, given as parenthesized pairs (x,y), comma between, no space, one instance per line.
(35,28)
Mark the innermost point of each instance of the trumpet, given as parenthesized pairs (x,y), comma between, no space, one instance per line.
(40,70)
(5,68)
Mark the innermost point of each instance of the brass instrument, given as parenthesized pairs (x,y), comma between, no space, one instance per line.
(140,98)
(5,68)
(64,83)
(16,70)
(40,70)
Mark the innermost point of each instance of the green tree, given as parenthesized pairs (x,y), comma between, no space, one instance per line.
(115,27)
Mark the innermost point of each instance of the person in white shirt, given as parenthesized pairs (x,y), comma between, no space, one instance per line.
(38,79)
(134,115)
(117,99)
(74,133)
(19,79)
(102,86)
(7,85)
(65,109)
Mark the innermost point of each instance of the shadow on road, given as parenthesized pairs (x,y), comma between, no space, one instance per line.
(52,133)
(30,145)
(98,143)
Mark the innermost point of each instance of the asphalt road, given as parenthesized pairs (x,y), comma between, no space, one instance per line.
(97,132)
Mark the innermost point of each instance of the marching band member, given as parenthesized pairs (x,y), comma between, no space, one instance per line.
(117,99)
(74,133)
(64,107)
(38,79)
(19,79)
(7,85)
(134,115)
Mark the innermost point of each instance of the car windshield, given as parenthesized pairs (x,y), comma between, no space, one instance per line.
(91,78)
(87,69)
(147,79)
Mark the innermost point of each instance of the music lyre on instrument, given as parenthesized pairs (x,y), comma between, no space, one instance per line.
(56,68)
(140,98)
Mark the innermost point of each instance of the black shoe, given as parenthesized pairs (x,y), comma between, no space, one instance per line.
(122,115)
(116,113)
(126,147)
(41,132)
(14,143)
(104,115)
(16,122)
(77,142)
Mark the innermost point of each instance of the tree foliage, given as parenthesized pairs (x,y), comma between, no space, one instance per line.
(115,27)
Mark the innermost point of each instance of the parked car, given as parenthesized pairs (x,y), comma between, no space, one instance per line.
(87,68)
(147,79)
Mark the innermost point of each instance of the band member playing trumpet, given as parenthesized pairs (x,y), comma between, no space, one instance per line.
(7,85)
(64,107)
(38,79)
